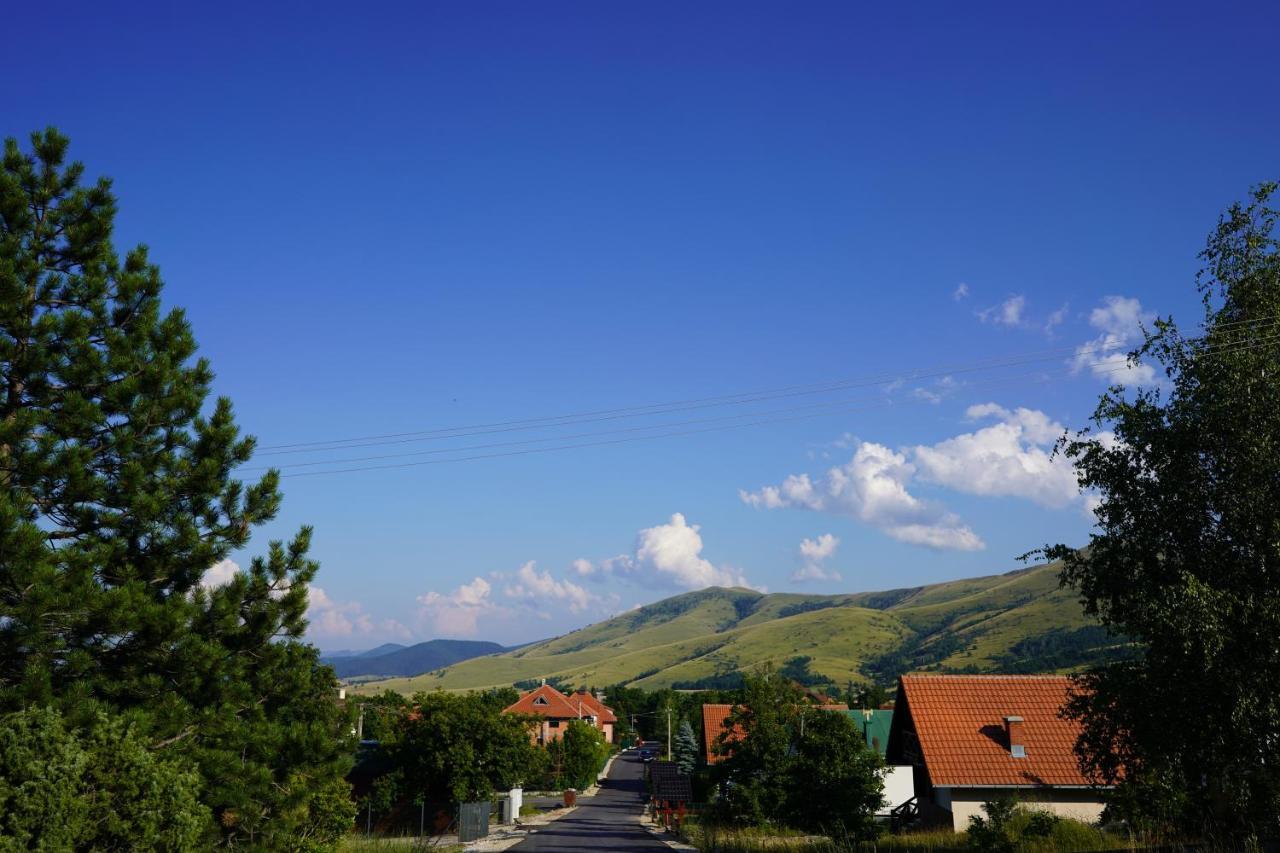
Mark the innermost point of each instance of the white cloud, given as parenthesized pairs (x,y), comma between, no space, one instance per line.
(328,618)
(668,554)
(673,552)
(961,291)
(540,588)
(459,613)
(1119,320)
(872,488)
(1013,457)
(1056,319)
(219,574)
(813,553)
(1007,313)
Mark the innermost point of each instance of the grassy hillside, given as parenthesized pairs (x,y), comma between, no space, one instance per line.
(1019,621)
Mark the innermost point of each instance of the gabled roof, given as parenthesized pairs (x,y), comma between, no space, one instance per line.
(545,701)
(959,724)
(874,725)
(713,718)
(591,706)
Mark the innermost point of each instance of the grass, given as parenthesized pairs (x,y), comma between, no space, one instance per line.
(699,634)
(358,844)
(1069,837)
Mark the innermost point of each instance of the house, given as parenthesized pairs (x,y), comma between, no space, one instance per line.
(874,724)
(713,725)
(556,710)
(971,738)
(601,713)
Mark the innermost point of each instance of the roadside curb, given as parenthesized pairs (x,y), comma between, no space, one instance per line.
(659,832)
(511,837)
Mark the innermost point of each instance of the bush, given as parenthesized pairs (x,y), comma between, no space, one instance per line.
(102,788)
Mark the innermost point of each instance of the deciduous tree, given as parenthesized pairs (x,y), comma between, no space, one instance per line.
(1186,557)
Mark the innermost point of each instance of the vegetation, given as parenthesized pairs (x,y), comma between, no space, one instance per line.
(576,758)
(446,749)
(703,640)
(116,497)
(1186,560)
(795,765)
(686,749)
(100,788)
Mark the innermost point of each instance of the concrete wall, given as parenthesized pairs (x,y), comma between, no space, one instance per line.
(1081,804)
(899,786)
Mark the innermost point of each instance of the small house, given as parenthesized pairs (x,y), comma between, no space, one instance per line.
(973,738)
(557,710)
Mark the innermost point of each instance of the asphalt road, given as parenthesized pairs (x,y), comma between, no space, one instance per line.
(609,821)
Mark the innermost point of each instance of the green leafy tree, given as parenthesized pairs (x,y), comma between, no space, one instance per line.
(1186,557)
(834,782)
(686,748)
(755,774)
(579,754)
(796,765)
(117,495)
(454,749)
(102,790)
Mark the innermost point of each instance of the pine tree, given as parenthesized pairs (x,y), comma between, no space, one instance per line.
(117,494)
(686,748)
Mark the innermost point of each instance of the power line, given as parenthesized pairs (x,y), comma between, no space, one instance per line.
(686,405)
(1223,350)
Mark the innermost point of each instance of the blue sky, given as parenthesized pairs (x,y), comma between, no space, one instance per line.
(388,219)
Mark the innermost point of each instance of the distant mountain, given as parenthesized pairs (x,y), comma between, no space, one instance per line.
(378,651)
(1021,621)
(393,659)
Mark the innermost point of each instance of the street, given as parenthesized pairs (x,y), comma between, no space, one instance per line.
(609,821)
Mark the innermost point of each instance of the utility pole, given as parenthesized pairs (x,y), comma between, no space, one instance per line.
(668,731)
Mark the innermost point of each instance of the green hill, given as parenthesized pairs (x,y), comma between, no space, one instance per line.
(1016,622)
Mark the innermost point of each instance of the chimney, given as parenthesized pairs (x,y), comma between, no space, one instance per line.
(1017,743)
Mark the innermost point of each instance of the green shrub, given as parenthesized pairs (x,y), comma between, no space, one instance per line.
(102,788)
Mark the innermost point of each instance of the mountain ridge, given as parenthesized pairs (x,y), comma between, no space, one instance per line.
(1021,620)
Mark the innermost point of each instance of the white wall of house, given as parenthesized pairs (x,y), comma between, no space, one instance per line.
(1079,803)
(899,786)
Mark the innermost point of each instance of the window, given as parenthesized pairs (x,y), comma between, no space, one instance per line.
(541,700)
(555,724)
(1018,751)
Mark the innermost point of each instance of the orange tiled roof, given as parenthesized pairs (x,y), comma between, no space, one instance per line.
(959,721)
(556,704)
(713,719)
(592,706)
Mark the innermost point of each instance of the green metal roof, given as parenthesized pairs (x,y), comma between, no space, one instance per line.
(875,727)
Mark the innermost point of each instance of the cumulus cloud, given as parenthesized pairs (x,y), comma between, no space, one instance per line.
(1008,313)
(872,488)
(1012,457)
(219,574)
(667,554)
(330,619)
(1119,320)
(813,553)
(540,587)
(458,613)
(961,291)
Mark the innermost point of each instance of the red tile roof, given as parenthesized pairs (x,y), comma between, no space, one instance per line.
(592,706)
(959,721)
(713,719)
(555,704)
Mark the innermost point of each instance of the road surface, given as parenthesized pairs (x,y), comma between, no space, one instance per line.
(609,821)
